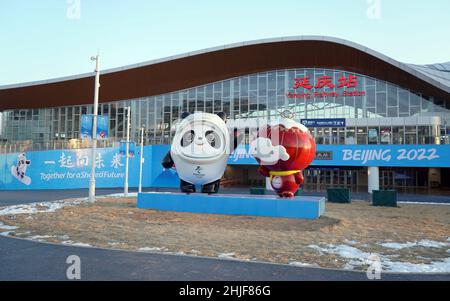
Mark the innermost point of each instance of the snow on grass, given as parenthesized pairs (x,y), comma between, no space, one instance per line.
(398,246)
(151,249)
(423,243)
(5,233)
(41,207)
(344,251)
(41,237)
(226,255)
(350,242)
(76,244)
(302,264)
(406,267)
(423,203)
(6,227)
(432,244)
(357,258)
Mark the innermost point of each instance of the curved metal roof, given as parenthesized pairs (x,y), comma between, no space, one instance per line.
(438,72)
(218,63)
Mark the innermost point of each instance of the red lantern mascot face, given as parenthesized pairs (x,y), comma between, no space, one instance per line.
(283,149)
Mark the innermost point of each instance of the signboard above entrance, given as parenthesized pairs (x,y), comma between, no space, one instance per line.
(323,123)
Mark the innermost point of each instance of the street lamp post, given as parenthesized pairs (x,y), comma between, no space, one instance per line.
(94,128)
(141,159)
(127,151)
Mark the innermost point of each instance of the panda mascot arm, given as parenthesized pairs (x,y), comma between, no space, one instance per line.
(167,161)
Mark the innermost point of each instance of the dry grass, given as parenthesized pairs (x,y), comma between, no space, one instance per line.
(117,223)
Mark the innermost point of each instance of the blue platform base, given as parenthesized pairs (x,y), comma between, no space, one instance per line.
(258,205)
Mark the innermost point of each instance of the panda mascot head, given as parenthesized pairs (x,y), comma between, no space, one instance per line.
(200,151)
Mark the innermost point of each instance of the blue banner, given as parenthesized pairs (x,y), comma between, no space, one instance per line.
(102,127)
(86,126)
(123,148)
(326,122)
(366,155)
(66,169)
(386,155)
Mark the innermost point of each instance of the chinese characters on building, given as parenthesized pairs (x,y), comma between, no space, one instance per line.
(326,87)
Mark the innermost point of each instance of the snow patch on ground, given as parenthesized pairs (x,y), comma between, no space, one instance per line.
(175,253)
(6,227)
(406,267)
(5,233)
(302,264)
(77,244)
(350,242)
(151,249)
(360,258)
(423,203)
(398,246)
(41,237)
(41,207)
(423,243)
(226,255)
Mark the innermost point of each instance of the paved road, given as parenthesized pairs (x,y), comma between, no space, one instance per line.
(29,260)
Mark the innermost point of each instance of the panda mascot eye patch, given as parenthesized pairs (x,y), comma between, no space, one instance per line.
(187,138)
(213,139)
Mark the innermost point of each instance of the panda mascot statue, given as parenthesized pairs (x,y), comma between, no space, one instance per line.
(200,149)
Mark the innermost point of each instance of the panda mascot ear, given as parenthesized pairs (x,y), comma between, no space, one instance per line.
(184,115)
(223,116)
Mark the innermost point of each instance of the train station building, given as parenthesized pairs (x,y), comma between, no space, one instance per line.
(377,122)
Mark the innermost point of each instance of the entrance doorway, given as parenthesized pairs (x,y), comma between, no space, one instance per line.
(319,179)
(387,179)
(406,180)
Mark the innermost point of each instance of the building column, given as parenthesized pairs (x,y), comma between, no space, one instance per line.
(373,174)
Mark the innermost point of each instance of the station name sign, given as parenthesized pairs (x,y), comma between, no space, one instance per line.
(324,122)
(324,87)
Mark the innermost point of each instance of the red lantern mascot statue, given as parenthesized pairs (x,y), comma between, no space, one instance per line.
(284,148)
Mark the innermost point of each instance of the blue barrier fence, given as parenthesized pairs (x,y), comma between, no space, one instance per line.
(65,169)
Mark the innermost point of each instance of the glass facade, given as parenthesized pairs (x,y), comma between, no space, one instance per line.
(263,94)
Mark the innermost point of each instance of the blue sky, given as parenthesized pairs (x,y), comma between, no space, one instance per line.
(45,39)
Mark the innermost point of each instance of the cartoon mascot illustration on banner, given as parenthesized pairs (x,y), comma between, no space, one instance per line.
(19,171)
(200,149)
(283,148)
